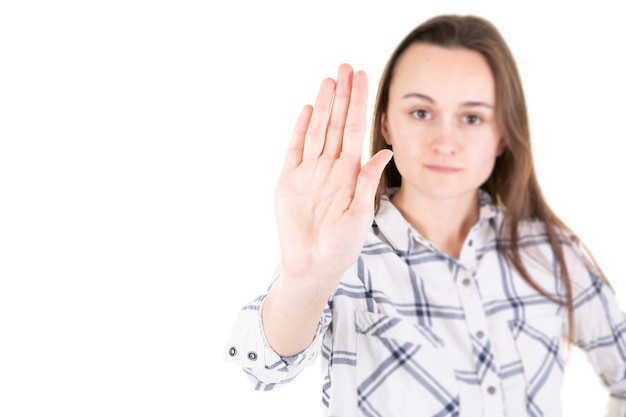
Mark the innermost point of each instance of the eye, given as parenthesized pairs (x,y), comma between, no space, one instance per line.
(472,119)
(421,114)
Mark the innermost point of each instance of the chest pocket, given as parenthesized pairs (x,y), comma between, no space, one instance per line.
(402,369)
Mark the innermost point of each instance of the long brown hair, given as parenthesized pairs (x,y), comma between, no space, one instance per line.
(513,184)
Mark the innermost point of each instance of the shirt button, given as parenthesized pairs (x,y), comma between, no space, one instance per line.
(232,351)
(470,243)
(252,356)
(466,282)
(491,390)
(480,334)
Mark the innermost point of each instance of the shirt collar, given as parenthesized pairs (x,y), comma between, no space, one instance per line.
(399,233)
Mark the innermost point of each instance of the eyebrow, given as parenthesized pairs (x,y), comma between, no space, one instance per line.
(430,100)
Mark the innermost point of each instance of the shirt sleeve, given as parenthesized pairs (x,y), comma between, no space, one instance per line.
(600,325)
(248,348)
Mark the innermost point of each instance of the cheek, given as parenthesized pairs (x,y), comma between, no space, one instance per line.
(407,157)
(409,151)
(486,159)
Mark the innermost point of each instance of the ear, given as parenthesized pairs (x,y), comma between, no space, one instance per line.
(384,129)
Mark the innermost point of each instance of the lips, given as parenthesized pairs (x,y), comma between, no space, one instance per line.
(442,169)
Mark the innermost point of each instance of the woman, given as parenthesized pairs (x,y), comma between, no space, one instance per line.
(447,287)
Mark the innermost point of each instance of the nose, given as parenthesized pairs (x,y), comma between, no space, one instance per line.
(445,140)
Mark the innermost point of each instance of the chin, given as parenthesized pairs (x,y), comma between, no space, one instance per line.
(449,193)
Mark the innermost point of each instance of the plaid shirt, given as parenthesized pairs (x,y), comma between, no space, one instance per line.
(413,331)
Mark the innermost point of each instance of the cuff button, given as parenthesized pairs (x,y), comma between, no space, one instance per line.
(252,356)
(232,351)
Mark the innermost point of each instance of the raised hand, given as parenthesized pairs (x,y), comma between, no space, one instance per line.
(324,208)
(324,197)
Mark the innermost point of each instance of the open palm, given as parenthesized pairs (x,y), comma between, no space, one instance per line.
(324,198)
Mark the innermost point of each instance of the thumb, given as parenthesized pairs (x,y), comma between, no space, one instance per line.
(368,179)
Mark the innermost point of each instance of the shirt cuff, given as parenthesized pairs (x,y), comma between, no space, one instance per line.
(248,347)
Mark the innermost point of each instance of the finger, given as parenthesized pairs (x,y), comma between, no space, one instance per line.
(354,130)
(367,181)
(296,143)
(341,101)
(316,130)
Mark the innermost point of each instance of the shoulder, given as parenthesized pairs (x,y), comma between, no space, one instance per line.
(534,242)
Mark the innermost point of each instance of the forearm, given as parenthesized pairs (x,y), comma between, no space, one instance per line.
(291,314)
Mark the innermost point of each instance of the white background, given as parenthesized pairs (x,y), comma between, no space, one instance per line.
(139,145)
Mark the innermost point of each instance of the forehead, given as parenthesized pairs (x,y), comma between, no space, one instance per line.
(443,73)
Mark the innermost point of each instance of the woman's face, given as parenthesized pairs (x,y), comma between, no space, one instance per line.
(441,121)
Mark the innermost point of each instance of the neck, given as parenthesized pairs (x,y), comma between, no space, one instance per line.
(444,222)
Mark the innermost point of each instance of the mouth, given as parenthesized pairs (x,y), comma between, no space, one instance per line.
(442,169)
